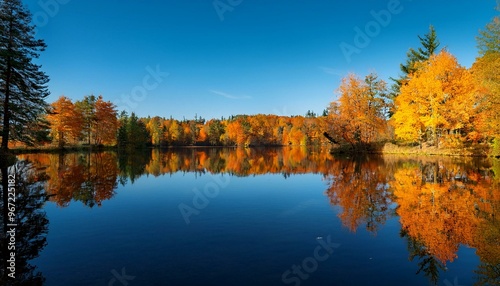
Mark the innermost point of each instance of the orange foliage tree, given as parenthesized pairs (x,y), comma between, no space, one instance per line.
(359,115)
(106,122)
(65,121)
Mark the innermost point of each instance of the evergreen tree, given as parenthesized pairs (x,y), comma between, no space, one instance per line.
(23,86)
(489,39)
(132,132)
(430,44)
(87,108)
(122,139)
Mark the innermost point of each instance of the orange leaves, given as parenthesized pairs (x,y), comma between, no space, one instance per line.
(65,120)
(90,178)
(70,121)
(358,115)
(437,208)
(106,124)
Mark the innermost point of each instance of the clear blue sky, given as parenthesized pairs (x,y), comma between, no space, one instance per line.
(260,56)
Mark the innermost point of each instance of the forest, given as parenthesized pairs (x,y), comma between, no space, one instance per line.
(434,103)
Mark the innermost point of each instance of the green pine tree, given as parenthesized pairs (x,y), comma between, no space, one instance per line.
(430,44)
(23,86)
(489,39)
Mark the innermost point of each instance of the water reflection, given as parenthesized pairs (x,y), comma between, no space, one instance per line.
(360,186)
(442,206)
(90,178)
(31,221)
(442,203)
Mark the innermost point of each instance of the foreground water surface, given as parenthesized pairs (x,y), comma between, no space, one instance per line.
(274,216)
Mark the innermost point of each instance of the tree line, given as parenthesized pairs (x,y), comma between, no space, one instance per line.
(434,102)
(94,121)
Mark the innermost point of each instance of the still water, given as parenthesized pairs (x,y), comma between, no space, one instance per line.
(275,216)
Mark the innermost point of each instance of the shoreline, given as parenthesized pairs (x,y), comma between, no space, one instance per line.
(380,149)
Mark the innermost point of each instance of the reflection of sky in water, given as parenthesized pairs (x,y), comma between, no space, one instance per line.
(254,230)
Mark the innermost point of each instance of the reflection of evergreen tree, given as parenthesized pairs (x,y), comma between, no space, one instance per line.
(427,263)
(488,274)
(132,164)
(32,225)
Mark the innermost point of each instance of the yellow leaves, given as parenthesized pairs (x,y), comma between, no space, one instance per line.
(438,209)
(436,100)
(487,77)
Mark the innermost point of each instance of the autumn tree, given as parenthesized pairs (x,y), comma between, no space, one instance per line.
(359,115)
(65,121)
(174,132)
(23,86)
(437,101)
(154,127)
(485,71)
(106,122)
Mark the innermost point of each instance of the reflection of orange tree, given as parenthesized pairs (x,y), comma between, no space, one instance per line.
(440,214)
(90,178)
(441,208)
(241,161)
(360,188)
(487,240)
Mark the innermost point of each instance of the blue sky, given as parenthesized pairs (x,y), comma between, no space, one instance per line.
(217,58)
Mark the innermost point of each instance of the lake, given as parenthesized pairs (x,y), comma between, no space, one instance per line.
(240,216)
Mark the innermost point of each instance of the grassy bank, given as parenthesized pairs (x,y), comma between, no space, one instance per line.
(56,149)
(476,150)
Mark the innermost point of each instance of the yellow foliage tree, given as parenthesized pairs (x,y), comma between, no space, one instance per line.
(436,102)
(487,76)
